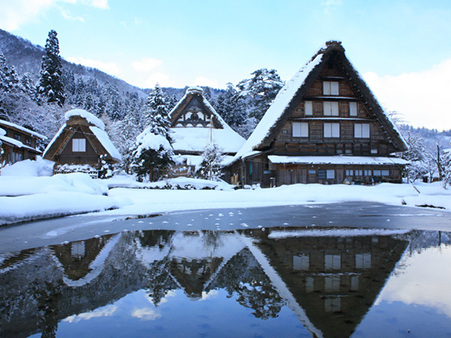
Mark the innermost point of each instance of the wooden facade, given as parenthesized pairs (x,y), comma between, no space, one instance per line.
(77,143)
(18,143)
(330,130)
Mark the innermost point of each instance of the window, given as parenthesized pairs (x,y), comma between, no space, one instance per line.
(330,173)
(330,88)
(361,130)
(367,173)
(349,172)
(363,261)
(330,108)
(358,172)
(308,108)
(374,151)
(377,172)
(331,129)
(332,262)
(352,108)
(301,262)
(300,129)
(385,172)
(78,145)
(17,137)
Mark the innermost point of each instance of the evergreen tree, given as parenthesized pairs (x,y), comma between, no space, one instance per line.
(260,91)
(9,80)
(231,107)
(152,153)
(50,84)
(156,112)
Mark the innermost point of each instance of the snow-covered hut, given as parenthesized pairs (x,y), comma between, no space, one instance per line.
(195,124)
(18,143)
(324,126)
(81,141)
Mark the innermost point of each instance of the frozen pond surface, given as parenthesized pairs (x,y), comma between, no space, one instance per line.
(248,282)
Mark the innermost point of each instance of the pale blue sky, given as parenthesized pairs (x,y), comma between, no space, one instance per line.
(180,43)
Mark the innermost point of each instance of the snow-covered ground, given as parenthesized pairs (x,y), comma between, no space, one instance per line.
(27,192)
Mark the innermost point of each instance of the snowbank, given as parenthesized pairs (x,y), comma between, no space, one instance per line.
(36,168)
(87,116)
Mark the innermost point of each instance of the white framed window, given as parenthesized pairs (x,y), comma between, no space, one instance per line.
(330,108)
(352,108)
(331,129)
(361,130)
(78,145)
(330,88)
(300,129)
(308,108)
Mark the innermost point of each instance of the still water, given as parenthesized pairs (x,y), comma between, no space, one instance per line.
(274,282)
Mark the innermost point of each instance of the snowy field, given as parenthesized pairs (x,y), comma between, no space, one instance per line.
(27,192)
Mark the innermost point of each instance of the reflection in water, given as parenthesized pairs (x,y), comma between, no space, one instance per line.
(329,280)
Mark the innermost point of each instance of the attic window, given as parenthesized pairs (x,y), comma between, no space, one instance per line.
(330,88)
(352,108)
(361,130)
(78,145)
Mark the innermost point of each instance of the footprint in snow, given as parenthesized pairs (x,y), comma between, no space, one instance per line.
(220,215)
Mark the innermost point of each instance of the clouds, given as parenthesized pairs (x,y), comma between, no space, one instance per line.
(147,64)
(18,12)
(420,97)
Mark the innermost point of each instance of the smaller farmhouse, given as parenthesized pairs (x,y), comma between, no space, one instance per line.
(196,124)
(18,143)
(82,140)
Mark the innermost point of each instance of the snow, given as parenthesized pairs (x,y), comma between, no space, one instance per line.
(2,132)
(196,139)
(33,196)
(148,140)
(86,115)
(26,130)
(39,167)
(363,160)
(106,143)
(281,102)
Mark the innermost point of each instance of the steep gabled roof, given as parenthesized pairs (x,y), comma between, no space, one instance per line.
(91,127)
(193,140)
(195,93)
(295,89)
(22,129)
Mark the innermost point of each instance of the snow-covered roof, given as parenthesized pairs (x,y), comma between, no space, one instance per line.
(25,130)
(278,107)
(355,160)
(195,139)
(87,116)
(106,143)
(284,98)
(16,143)
(94,125)
(2,132)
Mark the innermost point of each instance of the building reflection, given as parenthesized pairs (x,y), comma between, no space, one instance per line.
(328,281)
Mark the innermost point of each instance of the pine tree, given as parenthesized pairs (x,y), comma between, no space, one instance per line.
(152,153)
(9,80)
(260,91)
(231,107)
(51,87)
(156,112)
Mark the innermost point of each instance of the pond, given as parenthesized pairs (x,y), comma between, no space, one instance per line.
(284,282)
